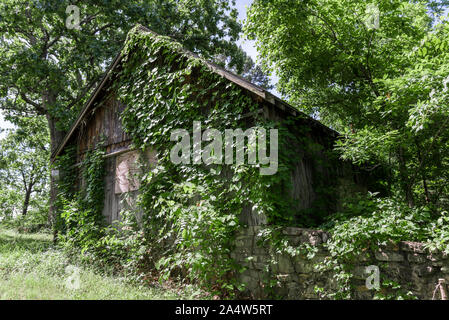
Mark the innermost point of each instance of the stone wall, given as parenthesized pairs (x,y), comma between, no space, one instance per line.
(406,263)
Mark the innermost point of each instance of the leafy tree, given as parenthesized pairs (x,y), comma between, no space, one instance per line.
(382,84)
(47,68)
(24,155)
(49,62)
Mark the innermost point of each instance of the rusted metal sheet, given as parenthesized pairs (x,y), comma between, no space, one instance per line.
(126,172)
(128,167)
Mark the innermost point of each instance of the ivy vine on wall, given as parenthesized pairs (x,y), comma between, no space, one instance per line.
(190,211)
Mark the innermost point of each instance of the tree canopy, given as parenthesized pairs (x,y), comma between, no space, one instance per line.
(51,58)
(376,71)
(24,167)
(48,64)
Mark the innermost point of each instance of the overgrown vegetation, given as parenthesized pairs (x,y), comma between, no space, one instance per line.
(82,214)
(24,157)
(82,230)
(384,86)
(190,212)
(369,223)
(31,267)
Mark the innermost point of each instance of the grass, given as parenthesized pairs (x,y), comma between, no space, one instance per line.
(31,268)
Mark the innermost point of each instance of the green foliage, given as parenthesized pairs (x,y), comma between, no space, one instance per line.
(191,212)
(120,247)
(24,171)
(396,293)
(324,51)
(36,221)
(10,202)
(439,230)
(81,214)
(48,69)
(368,223)
(383,87)
(93,179)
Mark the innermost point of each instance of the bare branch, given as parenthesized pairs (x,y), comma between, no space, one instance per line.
(36,105)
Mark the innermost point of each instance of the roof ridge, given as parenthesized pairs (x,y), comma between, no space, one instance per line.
(240,81)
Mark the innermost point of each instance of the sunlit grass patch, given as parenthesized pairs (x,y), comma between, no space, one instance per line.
(32,268)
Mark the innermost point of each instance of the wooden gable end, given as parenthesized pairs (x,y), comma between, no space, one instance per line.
(103,123)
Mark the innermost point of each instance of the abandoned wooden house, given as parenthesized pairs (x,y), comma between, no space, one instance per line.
(315,169)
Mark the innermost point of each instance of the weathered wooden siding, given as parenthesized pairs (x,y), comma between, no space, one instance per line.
(112,200)
(320,180)
(313,168)
(103,122)
(115,202)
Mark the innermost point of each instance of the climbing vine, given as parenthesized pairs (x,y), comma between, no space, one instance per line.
(191,212)
(80,218)
(366,224)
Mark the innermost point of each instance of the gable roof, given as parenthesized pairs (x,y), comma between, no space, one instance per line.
(243,83)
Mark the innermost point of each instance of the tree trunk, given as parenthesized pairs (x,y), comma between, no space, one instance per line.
(26,202)
(56,137)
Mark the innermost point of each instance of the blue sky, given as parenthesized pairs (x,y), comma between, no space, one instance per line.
(247,45)
(4,125)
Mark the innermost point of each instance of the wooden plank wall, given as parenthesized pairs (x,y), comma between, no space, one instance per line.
(103,120)
(112,205)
